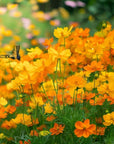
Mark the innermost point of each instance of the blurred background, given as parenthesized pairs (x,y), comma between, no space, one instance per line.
(30,22)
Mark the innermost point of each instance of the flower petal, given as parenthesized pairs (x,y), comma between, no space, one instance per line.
(79,125)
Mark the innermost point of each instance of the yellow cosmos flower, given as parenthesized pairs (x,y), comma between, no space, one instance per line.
(2,136)
(64,13)
(34,52)
(36,101)
(62,32)
(48,108)
(17,38)
(36,32)
(91,18)
(33,2)
(7,47)
(16,14)
(23,119)
(3,101)
(48,86)
(112,45)
(35,7)
(32,26)
(8,33)
(44,133)
(40,15)
(1,37)
(2,29)
(43,1)
(109,119)
(13,64)
(30,111)
(12,6)
(59,54)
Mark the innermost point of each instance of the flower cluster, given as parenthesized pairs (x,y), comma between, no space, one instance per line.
(66,84)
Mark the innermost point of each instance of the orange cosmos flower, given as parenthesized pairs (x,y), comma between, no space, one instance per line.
(57,129)
(99,120)
(8,124)
(100,131)
(88,96)
(111,99)
(34,42)
(48,42)
(25,142)
(34,122)
(55,22)
(84,129)
(33,133)
(19,102)
(50,118)
(60,99)
(98,100)
(74,24)
(75,81)
(68,99)
(40,128)
(10,109)
(3,113)
(95,66)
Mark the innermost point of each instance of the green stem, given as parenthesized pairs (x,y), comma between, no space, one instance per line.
(44,90)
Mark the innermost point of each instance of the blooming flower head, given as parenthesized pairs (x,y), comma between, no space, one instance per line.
(25,142)
(12,6)
(59,53)
(109,119)
(50,118)
(3,113)
(3,101)
(64,13)
(2,136)
(84,129)
(95,66)
(23,119)
(48,108)
(100,131)
(8,124)
(55,22)
(44,133)
(57,129)
(43,1)
(62,32)
(34,133)
(10,109)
